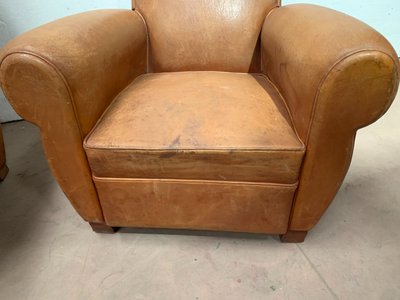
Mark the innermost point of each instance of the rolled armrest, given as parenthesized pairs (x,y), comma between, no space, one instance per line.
(62,76)
(336,75)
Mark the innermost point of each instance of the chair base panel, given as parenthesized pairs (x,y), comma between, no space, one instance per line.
(196,204)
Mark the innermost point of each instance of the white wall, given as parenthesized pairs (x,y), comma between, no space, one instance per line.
(17,16)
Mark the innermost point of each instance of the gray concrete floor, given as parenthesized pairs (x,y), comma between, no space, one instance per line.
(48,252)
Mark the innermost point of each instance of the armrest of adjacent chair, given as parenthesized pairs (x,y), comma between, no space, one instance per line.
(336,75)
(3,166)
(62,76)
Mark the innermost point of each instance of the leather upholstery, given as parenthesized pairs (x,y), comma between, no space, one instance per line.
(98,53)
(212,35)
(197,125)
(62,76)
(201,149)
(196,204)
(336,78)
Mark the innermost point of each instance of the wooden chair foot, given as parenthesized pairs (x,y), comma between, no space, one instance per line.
(293,236)
(102,228)
(3,172)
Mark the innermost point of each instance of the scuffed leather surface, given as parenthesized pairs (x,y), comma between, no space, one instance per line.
(98,53)
(197,125)
(212,35)
(62,76)
(337,75)
(192,204)
(301,43)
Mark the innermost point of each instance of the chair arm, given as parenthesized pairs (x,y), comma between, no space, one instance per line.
(336,75)
(62,76)
(3,167)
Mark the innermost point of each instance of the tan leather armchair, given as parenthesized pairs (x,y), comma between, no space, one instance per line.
(216,115)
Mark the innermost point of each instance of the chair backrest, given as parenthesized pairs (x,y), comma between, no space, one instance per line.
(198,35)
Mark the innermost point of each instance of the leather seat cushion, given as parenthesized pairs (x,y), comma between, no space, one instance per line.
(197,125)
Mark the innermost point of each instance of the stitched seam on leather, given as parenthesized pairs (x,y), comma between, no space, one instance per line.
(261,35)
(200,181)
(271,11)
(222,150)
(147,41)
(59,73)
(287,109)
(325,77)
(261,31)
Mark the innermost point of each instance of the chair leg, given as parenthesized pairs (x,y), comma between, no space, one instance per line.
(102,228)
(3,172)
(293,236)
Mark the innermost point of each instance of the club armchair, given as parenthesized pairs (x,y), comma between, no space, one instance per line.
(213,115)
